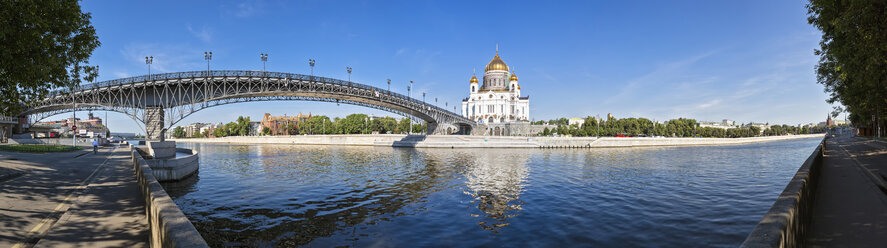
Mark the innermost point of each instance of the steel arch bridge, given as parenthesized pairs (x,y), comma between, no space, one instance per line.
(162,100)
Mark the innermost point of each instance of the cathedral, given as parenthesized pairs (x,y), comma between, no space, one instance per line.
(498,100)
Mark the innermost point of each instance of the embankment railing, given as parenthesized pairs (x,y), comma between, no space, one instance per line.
(787,222)
(169,226)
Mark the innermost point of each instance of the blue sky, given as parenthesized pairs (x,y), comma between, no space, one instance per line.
(708,60)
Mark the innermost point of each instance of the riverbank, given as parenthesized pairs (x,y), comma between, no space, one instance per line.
(458,141)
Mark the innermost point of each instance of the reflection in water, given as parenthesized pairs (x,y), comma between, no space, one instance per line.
(292,195)
(328,196)
(496,182)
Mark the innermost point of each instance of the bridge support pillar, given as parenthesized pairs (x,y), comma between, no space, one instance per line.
(154,123)
(432,128)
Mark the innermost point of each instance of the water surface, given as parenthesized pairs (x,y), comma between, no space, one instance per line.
(323,196)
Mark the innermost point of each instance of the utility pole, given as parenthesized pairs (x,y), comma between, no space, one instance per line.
(598,118)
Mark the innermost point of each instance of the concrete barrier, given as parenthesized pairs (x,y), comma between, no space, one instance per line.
(174,168)
(169,226)
(788,220)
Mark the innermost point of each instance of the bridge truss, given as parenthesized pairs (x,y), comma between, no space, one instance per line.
(162,100)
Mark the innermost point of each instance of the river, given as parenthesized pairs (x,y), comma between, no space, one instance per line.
(324,196)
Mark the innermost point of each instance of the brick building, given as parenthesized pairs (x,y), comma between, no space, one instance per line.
(279,124)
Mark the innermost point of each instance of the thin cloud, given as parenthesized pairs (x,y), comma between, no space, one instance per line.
(203,34)
(659,75)
(248,8)
(167,57)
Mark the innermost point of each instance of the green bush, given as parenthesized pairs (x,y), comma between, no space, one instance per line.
(39,148)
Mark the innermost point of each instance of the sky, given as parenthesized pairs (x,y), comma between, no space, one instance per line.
(748,61)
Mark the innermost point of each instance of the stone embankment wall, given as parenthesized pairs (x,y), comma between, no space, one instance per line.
(788,220)
(460,141)
(175,168)
(169,226)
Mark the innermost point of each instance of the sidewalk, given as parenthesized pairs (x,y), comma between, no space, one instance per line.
(109,213)
(850,210)
(62,199)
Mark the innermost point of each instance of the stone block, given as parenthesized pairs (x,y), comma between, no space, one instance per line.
(161,149)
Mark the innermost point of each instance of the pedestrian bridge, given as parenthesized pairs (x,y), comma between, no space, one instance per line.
(162,100)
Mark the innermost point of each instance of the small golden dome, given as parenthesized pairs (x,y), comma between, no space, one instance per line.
(496,64)
(513,77)
(473,79)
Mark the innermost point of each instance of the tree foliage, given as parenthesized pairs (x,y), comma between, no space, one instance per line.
(44,45)
(681,127)
(852,55)
(178,132)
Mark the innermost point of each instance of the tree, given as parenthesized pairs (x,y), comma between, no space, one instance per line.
(852,55)
(198,134)
(404,125)
(241,126)
(546,132)
(178,132)
(44,45)
(266,131)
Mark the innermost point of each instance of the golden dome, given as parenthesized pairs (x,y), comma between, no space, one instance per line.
(496,64)
(513,77)
(473,79)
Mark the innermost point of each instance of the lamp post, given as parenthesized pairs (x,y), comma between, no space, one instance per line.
(349,73)
(311,64)
(389,85)
(264,57)
(207,56)
(148,61)
(408,89)
(598,118)
(423,97)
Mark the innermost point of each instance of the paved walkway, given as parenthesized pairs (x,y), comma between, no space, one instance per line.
(65,201)
(850,209)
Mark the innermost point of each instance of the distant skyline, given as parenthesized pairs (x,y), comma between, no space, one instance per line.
(707,60)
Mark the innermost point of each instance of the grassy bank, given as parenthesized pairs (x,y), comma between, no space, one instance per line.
(39,148)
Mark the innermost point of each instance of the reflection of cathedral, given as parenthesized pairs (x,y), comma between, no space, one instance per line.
(498,100)
(496,182)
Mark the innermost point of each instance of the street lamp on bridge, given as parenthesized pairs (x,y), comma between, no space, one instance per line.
(408,89)
(389,85)
(311,64)
(264,57)
(207,56)
(423,96)
(349,73)
(148,61)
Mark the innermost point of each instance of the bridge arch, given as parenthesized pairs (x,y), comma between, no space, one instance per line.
(160,101)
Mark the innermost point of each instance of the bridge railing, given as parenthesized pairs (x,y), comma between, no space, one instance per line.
(241,73)
(8,119)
